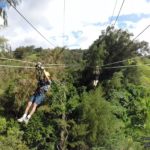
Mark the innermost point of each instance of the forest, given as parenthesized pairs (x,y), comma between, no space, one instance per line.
(76,114)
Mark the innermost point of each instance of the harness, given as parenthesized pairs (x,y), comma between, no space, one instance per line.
(42,85)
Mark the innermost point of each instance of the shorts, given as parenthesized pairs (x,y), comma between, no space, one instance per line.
(37,98)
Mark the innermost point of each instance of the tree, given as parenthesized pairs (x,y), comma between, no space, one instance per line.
(2,43)
(21,52)
(13,2)
(11,136)
(111,46)
(99,119)
(8,3)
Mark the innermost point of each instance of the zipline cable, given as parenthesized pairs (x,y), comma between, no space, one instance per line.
(64,13)
(141,32)
(119,12)
(102,65)
(127,66)
(113,12)
(11,66)
(30,24)
(3,58)
(123,60)
(29,67)
(116,17)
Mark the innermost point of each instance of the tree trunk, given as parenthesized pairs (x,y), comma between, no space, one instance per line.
(62,135)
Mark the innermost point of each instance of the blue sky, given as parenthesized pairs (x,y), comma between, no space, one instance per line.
(77,34)
(135,18)
(84,20)
(2,5)
(132,17)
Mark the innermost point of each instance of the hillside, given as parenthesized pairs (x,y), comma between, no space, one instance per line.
(113,115)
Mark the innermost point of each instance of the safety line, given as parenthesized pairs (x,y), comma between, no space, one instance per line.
(30,23)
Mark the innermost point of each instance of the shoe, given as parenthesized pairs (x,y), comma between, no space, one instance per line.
(26,120)
(21,119)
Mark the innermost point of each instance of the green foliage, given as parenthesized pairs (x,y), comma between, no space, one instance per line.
(97,114)
(11,136)
(116,81)
(2,43)
(112,116)
(2,40)
(21,52)
(2,125)
(45,137)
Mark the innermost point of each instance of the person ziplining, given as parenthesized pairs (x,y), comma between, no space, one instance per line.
(37,98)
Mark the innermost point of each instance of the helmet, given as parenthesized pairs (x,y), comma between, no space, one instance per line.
(38,65)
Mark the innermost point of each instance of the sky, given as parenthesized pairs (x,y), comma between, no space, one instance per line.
(76,26)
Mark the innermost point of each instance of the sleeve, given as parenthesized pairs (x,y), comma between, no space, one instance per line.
(45,88)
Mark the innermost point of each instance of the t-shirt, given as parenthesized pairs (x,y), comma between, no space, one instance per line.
(43,86)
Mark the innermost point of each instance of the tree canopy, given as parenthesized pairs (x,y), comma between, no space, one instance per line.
(113,115)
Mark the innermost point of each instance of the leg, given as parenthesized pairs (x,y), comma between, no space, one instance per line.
(26,112)
(38,100)
(31,113)
(33,109)
(28,107)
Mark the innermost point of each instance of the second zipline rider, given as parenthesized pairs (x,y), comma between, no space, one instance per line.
(39,95)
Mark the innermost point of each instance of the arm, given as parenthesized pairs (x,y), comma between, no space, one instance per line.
(41,70)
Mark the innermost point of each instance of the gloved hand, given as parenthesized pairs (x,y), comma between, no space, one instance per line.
(41,67)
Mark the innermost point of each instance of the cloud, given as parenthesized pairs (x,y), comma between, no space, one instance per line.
(84,20)
(132,17)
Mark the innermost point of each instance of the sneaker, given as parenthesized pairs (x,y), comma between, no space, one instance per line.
(26,120)
(21,119)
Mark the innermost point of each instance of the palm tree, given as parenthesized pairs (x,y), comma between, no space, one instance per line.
(3,13)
